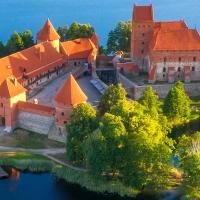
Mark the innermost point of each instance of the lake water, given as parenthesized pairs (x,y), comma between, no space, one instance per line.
(102,14)
(29,186)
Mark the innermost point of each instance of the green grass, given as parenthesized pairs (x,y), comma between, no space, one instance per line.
(26,139)
(26,161)
(86,181)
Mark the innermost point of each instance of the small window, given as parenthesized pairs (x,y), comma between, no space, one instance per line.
(142,42)
(179,69)
(62,113)
(65,122)
(164,69)
(179,59)
(2,105)
(75,63)
(194,59)
(193,69)
(165,59)
(142,51)
(164,75)
(143,34)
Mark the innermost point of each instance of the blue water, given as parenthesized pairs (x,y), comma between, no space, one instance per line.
(30,186)
(102,14)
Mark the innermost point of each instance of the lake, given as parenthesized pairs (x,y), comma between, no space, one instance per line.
(102,14)
(44,186)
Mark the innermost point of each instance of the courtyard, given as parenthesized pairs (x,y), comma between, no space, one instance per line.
(47,94)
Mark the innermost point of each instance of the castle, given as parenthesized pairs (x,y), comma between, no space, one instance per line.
(167,51)
(23,72)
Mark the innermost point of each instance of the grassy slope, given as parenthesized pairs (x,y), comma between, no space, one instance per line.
(26,139)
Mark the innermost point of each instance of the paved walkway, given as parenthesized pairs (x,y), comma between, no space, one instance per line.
(46,96)
(39,151)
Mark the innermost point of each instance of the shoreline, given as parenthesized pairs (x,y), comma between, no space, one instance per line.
(35,163)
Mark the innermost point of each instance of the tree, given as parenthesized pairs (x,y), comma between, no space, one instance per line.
(119,39)
(147,154)
(77,30)
(82,124)
(102,50)
(15,43)
(188,151)
(27,38)
(3,51)
(105,147)
(150,101)
(177,104)
(63,32)
(112,95)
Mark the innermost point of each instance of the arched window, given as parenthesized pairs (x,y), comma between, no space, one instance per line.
(164,69)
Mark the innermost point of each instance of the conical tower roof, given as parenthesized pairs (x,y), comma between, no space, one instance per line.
(10,88)
(48,32)
(70,93)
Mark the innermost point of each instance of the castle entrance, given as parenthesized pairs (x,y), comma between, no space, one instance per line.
(2,121)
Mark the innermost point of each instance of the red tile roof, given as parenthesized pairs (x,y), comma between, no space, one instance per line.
(78,48)
(175,40)
(70,93)
(27,106)
(42,56)
(174,25)
(47,33)
(143,13)
(11,88)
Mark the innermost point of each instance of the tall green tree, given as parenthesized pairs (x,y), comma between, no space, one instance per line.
(77,30)
(112,95)
(147,154)
(27,39)
(188,151)
(150,101)
(15,43)
(105,147)
(82,124)
(3,50)
(177,104)
(63,32)
(119,39)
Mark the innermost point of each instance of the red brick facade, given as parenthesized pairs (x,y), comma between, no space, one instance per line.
(168,51)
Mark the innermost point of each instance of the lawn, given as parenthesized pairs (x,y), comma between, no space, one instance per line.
(25,139)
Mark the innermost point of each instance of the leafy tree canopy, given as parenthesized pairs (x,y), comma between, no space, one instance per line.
(150,101)
(27,38)
(75,30)
(112,95)
(177,104)
(83,123)
(119,39)
(188,152)
(15,43)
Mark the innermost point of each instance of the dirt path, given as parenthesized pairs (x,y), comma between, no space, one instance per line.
(43,152)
